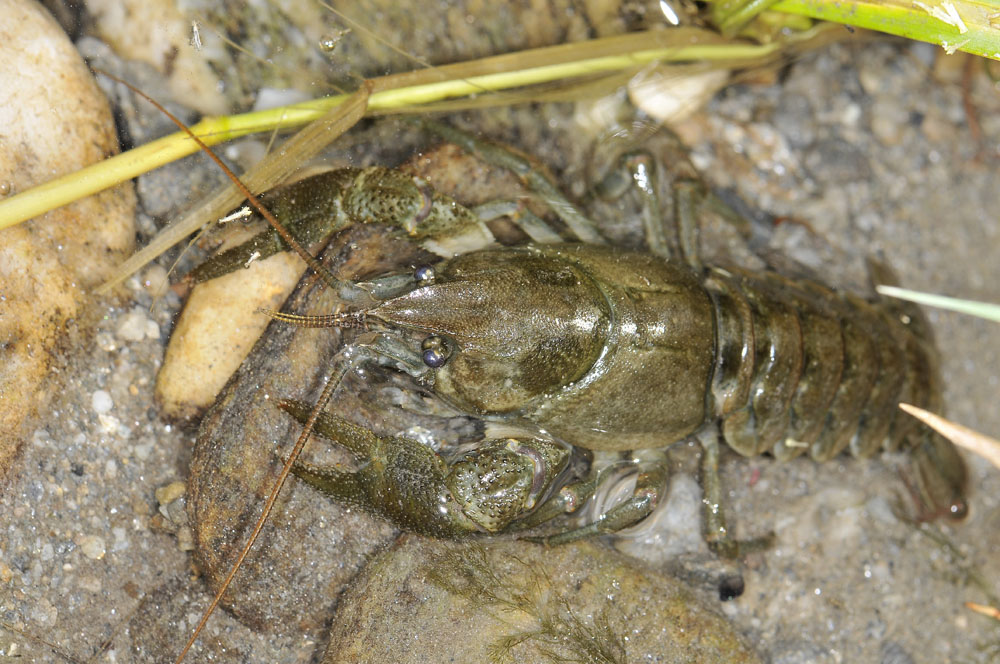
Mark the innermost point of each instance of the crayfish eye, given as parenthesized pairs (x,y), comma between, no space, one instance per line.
(424,275)
(435,352)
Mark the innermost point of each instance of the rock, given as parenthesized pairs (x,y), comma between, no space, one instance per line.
(233,466)
(495,601)
(55,121)
(220,323)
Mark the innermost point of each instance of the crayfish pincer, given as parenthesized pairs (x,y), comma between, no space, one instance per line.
(573,351)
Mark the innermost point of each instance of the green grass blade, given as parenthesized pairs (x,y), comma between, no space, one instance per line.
(406,92)
(972,26)
(985,310)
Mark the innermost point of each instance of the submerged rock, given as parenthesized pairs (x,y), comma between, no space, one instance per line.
(504,601)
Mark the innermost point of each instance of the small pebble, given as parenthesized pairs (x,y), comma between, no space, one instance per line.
(44,613)
(170,493)
(142,451)
(155,280)
(101,402)
(152,329)
(134,325)
(121,539)
(89,583)
(92,546)
(108,423)
(185,538)
(106,342)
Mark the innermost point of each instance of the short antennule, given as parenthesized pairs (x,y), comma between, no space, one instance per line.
(347,319)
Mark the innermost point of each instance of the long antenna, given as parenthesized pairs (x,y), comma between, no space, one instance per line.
(324,398)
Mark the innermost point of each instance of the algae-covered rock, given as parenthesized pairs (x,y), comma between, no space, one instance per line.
(512,601)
